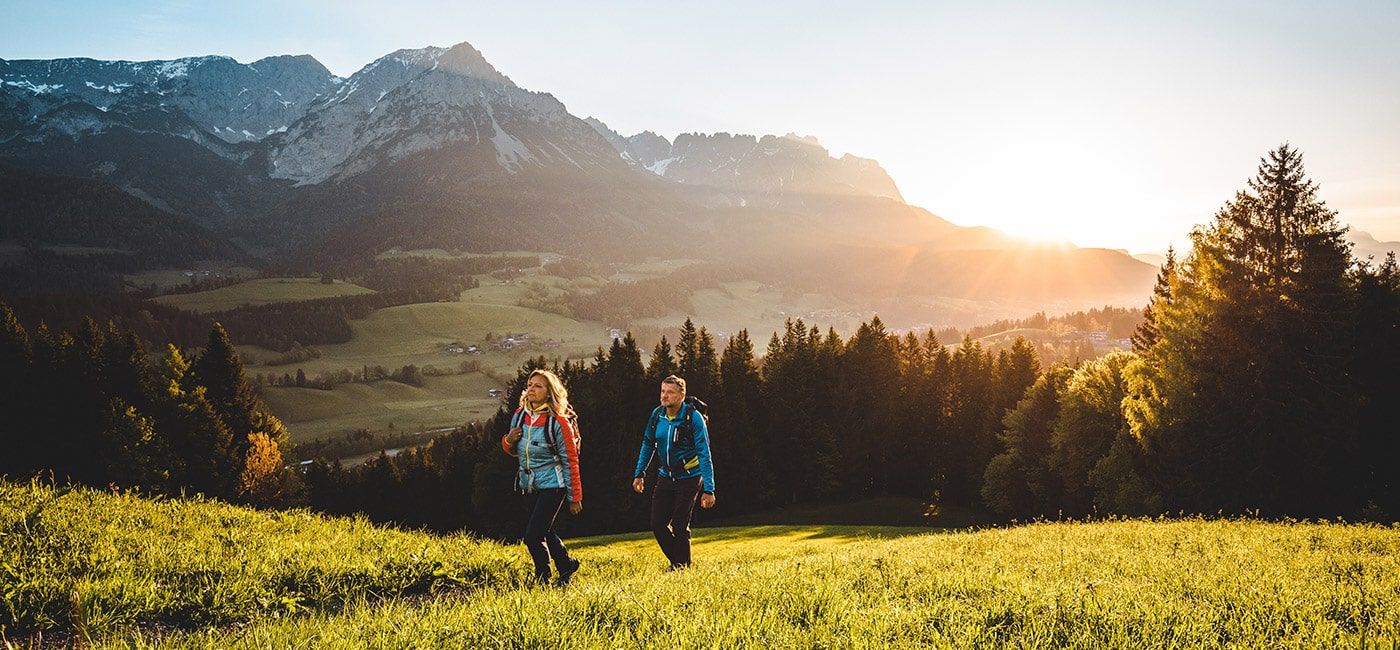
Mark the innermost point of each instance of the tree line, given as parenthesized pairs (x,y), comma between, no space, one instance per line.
(94,407)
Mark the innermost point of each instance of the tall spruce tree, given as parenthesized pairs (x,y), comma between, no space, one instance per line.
(687,351)
(865,400)
(739,413)
(256,435)
(1018,482)
(18,437)
(1246,400)
(704,378)
(1147,333)
(1375,357)
(972,421)
(662,364)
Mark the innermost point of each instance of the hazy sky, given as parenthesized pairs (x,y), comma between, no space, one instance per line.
(1102,123)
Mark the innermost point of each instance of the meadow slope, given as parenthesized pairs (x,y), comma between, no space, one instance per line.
(123,571)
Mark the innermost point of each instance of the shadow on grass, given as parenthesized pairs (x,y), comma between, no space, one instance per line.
(881,517)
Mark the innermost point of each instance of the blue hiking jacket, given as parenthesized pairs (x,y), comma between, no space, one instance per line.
(546,458)
(678,458)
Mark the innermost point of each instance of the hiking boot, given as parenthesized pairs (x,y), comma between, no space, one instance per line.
(540,580)
(567,573)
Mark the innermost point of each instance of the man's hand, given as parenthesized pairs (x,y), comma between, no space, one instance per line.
(707,501)
(514,435)
(638,485)
(575,507)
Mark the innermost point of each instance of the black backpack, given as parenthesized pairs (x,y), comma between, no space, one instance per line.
(684,433)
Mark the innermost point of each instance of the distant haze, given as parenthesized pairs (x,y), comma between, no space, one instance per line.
(1100,123)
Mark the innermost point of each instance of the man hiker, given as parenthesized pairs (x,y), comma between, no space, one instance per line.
(676,433)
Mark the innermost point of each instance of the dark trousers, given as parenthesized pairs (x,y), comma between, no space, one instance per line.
(540,537)
(672,503)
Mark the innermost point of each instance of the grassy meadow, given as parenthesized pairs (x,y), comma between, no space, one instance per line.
(310,413)
(262,291)
(418,334)
(121,571)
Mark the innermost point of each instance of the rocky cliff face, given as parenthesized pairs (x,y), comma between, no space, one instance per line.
(418,100)
(235,102)
(756,169)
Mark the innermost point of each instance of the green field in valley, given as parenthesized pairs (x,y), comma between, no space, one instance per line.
(262,291)
(120,571)
(419,335)
(170,278)
(759,308)
(383,405)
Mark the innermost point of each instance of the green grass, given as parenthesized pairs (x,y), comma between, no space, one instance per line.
(443,254)
(170,278)
(127,572)
(418,334)
(760,308)
(651,268)
(450,400)
(92,564)
(14,252)
(260,292)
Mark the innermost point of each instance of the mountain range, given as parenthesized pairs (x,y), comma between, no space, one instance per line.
(283,161)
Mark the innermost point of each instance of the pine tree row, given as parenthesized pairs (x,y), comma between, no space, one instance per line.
(93,407)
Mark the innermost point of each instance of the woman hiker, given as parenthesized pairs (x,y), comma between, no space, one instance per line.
(544,440)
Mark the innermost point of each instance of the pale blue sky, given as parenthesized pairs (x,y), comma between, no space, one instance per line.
(1102,123)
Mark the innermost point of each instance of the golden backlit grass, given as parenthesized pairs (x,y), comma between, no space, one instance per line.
(128,572)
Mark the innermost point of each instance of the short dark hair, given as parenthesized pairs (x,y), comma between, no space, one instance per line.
(672,379)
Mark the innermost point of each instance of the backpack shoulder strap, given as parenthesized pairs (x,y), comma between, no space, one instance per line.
(551,433)
(655,419)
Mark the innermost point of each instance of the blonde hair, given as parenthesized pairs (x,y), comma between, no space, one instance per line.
(556,395)
(679,383)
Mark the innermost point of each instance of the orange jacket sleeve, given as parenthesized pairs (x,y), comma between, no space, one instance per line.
(571,460)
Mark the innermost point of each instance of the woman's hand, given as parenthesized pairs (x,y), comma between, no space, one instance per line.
(575,507)
(514,435)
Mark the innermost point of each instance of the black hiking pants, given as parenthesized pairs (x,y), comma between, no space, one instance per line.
(672,504)
(540,538)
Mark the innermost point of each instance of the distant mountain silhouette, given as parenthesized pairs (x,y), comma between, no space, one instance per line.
(435,147)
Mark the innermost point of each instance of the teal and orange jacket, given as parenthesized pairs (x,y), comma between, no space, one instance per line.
(546,459)
(681,457)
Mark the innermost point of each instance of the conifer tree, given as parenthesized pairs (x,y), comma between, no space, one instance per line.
(255,433)
(1018,481)
(865,401)
(1147,332)
(18,438)
(1375,357)
(705,376)
(740,412)
(662,363)
(1247,390)
(971,421)
(687,351)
